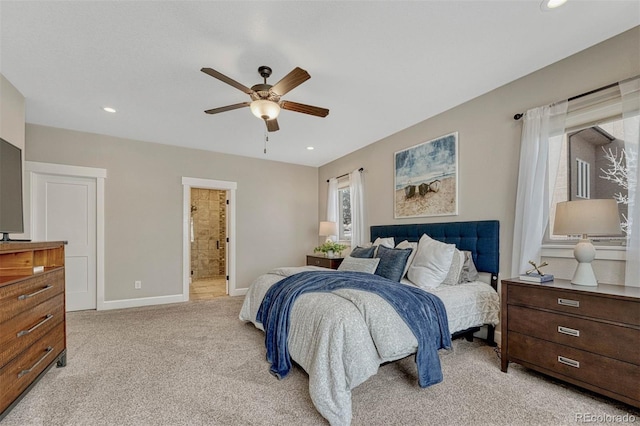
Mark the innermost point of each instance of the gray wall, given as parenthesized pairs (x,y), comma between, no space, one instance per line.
(489,142)
(276,206)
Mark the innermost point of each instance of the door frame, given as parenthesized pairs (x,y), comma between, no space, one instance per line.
(32,169)
(221,185)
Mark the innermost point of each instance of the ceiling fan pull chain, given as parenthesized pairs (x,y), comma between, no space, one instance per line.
(266,139)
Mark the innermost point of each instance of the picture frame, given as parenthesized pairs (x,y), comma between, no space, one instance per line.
(426,179)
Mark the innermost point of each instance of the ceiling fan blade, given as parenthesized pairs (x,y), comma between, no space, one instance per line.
(305,109)
(215,74)
(227,108)
(272,125)
(290,81)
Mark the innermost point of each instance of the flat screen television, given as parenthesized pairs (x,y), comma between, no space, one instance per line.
(11,220)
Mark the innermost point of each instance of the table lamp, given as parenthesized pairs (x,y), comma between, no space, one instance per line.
(328,229)
(586,217)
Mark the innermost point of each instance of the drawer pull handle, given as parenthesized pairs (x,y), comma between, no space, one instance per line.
(47,352)
(25,332)
(568,331)
(569,302)
(26,296)
(568,361)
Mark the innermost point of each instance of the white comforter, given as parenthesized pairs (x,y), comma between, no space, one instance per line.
(341,338)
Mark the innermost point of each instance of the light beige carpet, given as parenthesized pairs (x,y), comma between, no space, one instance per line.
(195,363)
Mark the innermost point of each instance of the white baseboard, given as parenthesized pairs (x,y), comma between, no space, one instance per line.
(497,337)
(150,301)
(141,301)
(239,292)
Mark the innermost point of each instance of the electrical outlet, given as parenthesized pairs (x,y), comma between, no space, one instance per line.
(138,285)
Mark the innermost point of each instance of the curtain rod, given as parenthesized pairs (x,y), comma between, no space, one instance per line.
(608,86)
(361,169)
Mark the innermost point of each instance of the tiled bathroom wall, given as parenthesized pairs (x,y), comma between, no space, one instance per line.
(208,228)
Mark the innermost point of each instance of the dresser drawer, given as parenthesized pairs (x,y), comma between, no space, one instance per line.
(589,335)
(595,306)
(600,371)
(21,371)
(22,330)
(27,293)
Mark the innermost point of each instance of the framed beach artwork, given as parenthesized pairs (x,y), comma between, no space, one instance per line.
(426,179)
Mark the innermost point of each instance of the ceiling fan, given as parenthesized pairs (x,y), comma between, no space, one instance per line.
(266,99)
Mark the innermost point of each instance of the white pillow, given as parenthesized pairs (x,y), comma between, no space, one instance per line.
(431,263)
(387,242)
(359,264)
(414,248)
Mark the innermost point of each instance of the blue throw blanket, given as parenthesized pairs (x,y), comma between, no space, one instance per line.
(423,312)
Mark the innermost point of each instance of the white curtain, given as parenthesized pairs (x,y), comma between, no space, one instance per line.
(630,91)
(332,203)
(543,127)
(356,191)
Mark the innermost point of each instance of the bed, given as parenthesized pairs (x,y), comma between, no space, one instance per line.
(341,338)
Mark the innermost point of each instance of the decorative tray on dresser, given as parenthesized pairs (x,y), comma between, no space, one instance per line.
(587,336)
(32,316)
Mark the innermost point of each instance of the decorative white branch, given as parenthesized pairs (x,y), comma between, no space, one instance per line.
(618,173)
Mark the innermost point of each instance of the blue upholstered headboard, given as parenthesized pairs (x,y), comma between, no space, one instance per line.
(481,238)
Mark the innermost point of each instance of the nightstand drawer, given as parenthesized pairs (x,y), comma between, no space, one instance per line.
(559,360)
(589,335)
(574,302)
(325,262)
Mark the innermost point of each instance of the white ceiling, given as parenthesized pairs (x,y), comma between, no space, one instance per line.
(378,66)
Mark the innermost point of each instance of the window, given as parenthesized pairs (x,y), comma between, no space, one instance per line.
(583,184)
(591,163)
(344,211)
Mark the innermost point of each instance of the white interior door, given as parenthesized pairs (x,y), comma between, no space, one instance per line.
(65,210)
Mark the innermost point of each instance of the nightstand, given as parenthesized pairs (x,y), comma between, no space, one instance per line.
(325,262)
(587,336)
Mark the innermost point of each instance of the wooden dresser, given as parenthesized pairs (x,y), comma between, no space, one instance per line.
(325,262)
(32,316)
(587,336)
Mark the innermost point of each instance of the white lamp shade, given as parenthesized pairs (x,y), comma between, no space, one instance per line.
(265,109)
(587,217)
(328,229)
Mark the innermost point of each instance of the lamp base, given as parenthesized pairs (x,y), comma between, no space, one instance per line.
(584,275)
(584,252)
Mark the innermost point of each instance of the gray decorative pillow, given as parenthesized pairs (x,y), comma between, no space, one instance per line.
(357,264)
(392,262)
(455,271)
(469,272)
(363,252)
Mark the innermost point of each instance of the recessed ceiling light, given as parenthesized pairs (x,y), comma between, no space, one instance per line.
(551,4)
(108,109)
(310,148)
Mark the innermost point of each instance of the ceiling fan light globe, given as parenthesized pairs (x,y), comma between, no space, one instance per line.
(262,108)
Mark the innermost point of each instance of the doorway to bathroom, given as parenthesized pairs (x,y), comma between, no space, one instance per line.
(208,241)
(229,244)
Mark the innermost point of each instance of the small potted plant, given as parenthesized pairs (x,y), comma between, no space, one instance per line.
(330,248)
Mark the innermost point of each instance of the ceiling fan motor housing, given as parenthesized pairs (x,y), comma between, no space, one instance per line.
(263,91)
